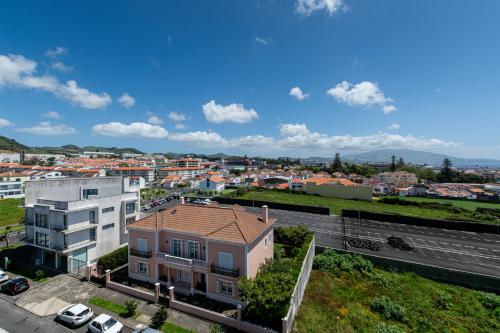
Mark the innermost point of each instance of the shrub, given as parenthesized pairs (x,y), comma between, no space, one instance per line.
(333,262)
(159,317)
(114,259)
(294,236)
(489,300)
(388,328)
(380,280)
(267,297)
(443,300)
(216,328)
(388,309)
(131,306)
(39,275)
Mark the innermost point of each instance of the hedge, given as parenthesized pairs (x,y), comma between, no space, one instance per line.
(113,259)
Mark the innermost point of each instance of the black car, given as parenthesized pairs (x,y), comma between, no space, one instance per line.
(15,286)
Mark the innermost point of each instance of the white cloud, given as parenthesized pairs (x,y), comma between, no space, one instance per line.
(135,129)
(180,126)
(52,115)
(263,40)
(366,94)
(154,119)
(17,71)
(293,129)
(46,128)
(394,127)
(298,139)
(307,7)
(56,52)
(177,116)
(298,94)
(4,123)
(216,113)
(126,100)
(61,67)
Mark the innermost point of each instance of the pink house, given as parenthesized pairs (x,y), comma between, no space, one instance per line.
(202,249)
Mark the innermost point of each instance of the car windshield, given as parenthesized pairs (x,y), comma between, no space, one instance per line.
(84,312)
(109,323)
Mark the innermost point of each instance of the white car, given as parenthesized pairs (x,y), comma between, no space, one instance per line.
(75,314)
(3,276)
(105,323)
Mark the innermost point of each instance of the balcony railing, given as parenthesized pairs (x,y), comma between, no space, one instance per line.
(181,261)
(142,254)
(224,271)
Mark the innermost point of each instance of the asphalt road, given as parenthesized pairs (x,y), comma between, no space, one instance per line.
(462,250)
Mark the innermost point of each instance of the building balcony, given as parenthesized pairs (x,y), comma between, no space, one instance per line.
(180,261)
(142,254)
(224,271)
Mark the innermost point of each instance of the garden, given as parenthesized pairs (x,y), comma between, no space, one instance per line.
(346,293)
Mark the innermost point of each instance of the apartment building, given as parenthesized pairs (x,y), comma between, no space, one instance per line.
(11,190)
(200,249)
(190,172)
(74,221)
(7,156)
(147,173)
(188,163)
(396,179)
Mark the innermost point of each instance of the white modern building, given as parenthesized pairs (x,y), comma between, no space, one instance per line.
(212,185)
(8,156)
(11,190)
(74,221)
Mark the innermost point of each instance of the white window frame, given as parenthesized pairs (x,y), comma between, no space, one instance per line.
(144,265)
(174,241)
(196,246)
(223,285)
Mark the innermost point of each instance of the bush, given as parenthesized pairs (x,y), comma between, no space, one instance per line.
(388,309)
(112,260)
(380,280)
(333,262)
(489,300)
(388,328)
(294,236)
(131,306)
(216,328)
(159,317)
(39,275)
(443,300)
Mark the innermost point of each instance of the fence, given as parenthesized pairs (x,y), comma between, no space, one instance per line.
(411,220)
(274,205)
(149,296)
(298,292)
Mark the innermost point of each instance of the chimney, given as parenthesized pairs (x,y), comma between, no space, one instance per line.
(182,200)
(265,214)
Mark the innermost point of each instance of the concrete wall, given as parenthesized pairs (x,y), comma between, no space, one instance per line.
(360,192)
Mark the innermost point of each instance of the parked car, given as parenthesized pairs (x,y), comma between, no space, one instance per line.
(15,286)
(146,330)
(105,323)
(3,276)
(75,314)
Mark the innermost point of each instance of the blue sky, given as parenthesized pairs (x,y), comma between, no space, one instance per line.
(272,78)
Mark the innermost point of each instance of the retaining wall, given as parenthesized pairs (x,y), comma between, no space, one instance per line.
(273,205)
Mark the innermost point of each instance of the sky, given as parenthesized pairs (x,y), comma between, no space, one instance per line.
(264,78)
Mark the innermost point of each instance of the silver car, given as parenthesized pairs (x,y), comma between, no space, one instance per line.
(75,314)
(3,276)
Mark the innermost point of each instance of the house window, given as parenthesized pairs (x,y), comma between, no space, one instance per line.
(92,216)
(225,260)
(88,192)
(42,239)
(92,234)
(130,208)
(142,245)
(225,287)
(107,210)
(65,221)
(176,247)
(108,226)
(130,220)
(193,250)
(41,220)
(142,268)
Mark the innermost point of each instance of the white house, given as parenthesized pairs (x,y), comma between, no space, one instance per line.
(74,221)
(212,185)
(11,190)
(8,156)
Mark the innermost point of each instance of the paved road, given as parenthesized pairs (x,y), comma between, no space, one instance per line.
(462,250)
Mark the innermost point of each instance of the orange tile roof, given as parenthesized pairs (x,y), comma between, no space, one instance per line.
(213,173)
(132,169)
(217,179)
(13,174)
(233,223)
(282,186)
(340,181)
(181,168)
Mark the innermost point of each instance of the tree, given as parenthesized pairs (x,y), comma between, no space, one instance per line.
(337,163)
(51,161)
(159,317)
(401,163)
(393,163)
(446,174)
(6,234)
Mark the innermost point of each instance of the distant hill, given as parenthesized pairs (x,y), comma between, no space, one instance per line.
(11,144)
(420,158)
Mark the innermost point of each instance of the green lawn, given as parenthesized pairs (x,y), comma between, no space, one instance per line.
(465,204)
(342,303)
(336,205)
(169,327)
(10,212)
(119,309)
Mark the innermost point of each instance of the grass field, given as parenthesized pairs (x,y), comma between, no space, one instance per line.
(169,327)
(336,205)
(10,212)
(343,303)
(465,204)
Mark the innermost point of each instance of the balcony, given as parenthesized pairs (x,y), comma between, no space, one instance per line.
(224,271)
(181,261)
(142,254)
